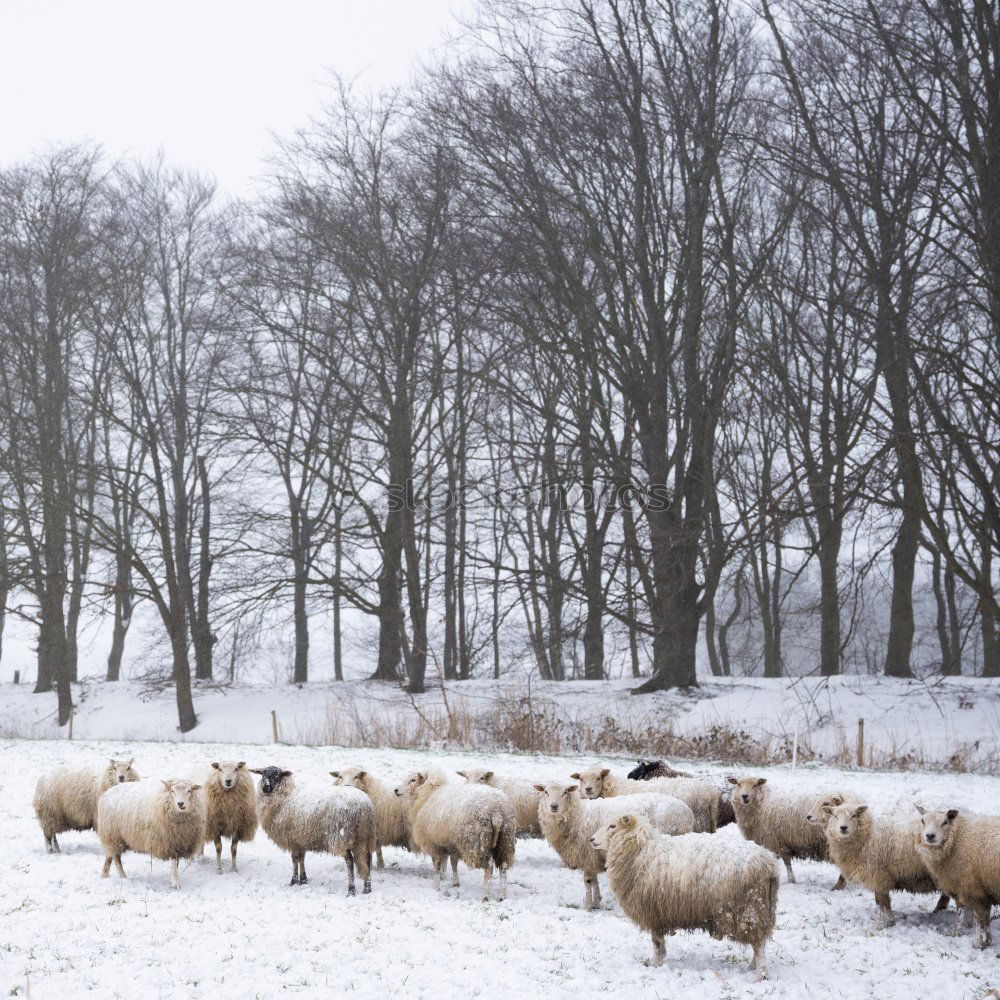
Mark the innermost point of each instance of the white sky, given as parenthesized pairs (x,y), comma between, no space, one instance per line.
(208,81)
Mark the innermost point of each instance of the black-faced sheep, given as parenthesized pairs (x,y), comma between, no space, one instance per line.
(647,769)
(231,804)
(692,882)
(392,822)
(67,798)
(331,820)
(449,820)
(962,854)
(164,819)
(568,822)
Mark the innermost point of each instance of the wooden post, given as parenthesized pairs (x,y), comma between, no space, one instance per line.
(274,725)
(69,725)
(795,746)
(17,676)
(861,742)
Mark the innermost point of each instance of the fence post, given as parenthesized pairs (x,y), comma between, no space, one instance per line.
(17,676)
(861,742)
(274,725)
(69,725)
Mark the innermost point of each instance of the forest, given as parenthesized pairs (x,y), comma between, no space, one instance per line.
(667,326)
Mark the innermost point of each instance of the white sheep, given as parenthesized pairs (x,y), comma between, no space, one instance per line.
(473,822)
(392,822)
(164,819)
(816,815)
(67,798)
(568,822)
(702,797)
(333,820)
(692,882)
(231,806)
(520,792)
(961,851)
(777,821)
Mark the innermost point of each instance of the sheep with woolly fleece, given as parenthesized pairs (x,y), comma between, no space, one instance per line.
(449,820)
(231,808)
(777,821)
(961,851)
(569,821)
(392,821)
(702,797)
(815,814)
(332,820)
(521,793)
(878,852)
(164,819)
(647,769)
(66,799)
(692,882)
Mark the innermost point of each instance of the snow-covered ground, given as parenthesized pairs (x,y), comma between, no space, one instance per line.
(907,723)
(65,932)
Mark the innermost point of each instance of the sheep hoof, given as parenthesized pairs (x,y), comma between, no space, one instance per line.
(304,880)
(366,890)
(351,891)
(294,881)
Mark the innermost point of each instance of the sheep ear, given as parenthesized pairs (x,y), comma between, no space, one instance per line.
(576,776)
(732,780)
(920,809)
(361,774)
(571,788)
(627,822)
(761,781)
(195,788)
(112,761)
(539,788)
(335,774)
(860,810)
(131,761)
(487,776)
(827,810)
(255,770)
(837,800)
(421,777)
(215,764)
(166,784)
(952,813)
(461,774)
(605,771)
(286,774)
(241,764)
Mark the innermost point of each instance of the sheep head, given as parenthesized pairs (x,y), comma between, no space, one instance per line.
(936,826)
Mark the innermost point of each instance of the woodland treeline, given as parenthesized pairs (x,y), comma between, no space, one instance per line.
(696,305)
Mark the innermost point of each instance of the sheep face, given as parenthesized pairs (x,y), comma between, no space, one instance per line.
(229,771)
(747,790)
(556,796)
(843,821)
(642,768)
(121,771)
(477,776)
(270,778)
(936,826)
(816,814)
(351,776)
(410,784)
(181,794)
(601,840)
(591,781)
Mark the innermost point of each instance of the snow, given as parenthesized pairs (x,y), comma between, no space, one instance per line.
(67,932)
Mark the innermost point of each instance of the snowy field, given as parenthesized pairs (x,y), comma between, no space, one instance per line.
(65,932)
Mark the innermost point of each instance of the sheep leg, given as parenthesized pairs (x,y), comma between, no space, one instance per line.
(438,860)
(885,917)
(349,861)
(303,878)
(659,949)
(597,891)
(107,867)
(757,964)
(55,845)
(174,881)
(983,916)
(232,851)
(503,882)
(487,880)
(295,869)
(788,868)
(218,855)
(365,871)
(942,903)
(378,856)
(120,868)
(588,882)
(454,870)
(841,883)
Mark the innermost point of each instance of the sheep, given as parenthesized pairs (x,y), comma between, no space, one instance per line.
(521,793)
(163,819)
(231,805)
(701,796)
(67,798)
(569,821)
(879,853)
(392,823)
(647,769)
(473,822)
(337,821)
(815,814)
(777,822)
(692,882)
(961,851)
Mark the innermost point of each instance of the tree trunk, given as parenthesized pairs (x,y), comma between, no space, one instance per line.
(202,637)
(123,615)
(988,615)
(338,559)
(186,717)
(829,600)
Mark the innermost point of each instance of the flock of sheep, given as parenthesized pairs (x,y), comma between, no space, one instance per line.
(652,832)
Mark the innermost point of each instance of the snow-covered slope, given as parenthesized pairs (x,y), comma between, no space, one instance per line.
(68,933)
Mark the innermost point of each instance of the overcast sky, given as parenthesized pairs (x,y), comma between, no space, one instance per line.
(208,80)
